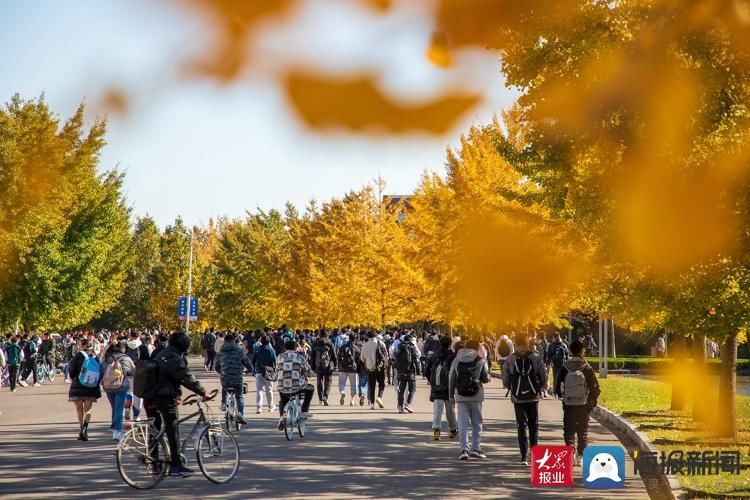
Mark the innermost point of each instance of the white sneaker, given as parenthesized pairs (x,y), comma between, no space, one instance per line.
(379,402)
(273,409)
(67,380)
(23,383)
(372,407)
(351,403)
(259,411)
(37,384)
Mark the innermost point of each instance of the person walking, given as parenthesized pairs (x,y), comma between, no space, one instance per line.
(30,348)
(85,374)
(468,374)
(117,370)
(578,388)
(264,367)
(208,344)
(557,354)
(437,371)
(525,377)
(13,352)
(348,358)
(407,368)
(375,358)
(231,362)
(323,363)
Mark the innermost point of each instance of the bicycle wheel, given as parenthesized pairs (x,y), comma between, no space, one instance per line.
(39,374)
(301,427)
(218,454)
(237,424)
(142,459)
(51,374)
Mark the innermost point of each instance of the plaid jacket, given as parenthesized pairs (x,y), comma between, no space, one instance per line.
(293,368)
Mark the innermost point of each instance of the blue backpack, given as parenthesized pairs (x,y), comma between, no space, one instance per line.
(91,372)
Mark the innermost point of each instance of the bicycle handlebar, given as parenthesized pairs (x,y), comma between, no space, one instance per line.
(193,398)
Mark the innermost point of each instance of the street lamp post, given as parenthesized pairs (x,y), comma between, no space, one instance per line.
(190,284)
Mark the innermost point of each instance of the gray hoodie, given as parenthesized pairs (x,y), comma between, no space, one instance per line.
(538,364)
(483,374)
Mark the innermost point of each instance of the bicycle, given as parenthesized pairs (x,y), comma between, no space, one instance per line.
(143,454)
(231,416)
(44,370)
(292,417)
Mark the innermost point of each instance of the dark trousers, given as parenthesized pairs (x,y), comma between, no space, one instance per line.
(527,416)
(307,392)
(576,424)
(164,412)
(13,376)
(377,376)
(30,367)
(209,361)
(324,385)
(404,382)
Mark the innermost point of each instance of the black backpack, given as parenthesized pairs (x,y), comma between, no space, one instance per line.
(146,379)
(404,361)
(524,383)
(346,358)
(503,349)
(322,358)
(560,355)
(381,356)
(208,342)
(467,379)
(431,345)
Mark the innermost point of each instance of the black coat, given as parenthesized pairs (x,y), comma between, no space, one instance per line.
(173,373)
(76,388)
(319,345)
(445,355)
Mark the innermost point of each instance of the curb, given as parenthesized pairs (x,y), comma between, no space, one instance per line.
(610,419)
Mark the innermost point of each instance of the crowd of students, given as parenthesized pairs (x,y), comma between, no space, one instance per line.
(284,360)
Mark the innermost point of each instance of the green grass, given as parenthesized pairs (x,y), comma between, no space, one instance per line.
(645,403)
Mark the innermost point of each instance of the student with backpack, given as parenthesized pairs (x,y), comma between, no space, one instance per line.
(231,362)
(407,368)
(29,365)
(264,367)
(578,388)
(348,360)
(526,378)
(13,361)
(437,371)
(85,374)
(375,357)
(557,355)
(323,363)
(503,349)
(468,374)
(117,370)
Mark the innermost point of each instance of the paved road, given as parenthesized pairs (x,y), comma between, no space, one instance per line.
(348,453)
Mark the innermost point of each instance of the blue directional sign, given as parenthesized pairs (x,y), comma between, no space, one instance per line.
(182,308)
(193,308)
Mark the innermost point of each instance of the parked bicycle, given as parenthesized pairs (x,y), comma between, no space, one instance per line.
(292,417)
(143,455)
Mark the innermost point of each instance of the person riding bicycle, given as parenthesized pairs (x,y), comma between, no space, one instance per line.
(47,350)
(173,373)
(231,362)
(293,369)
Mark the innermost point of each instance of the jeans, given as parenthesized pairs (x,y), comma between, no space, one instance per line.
(362,389)
(470,412)
(263,387)
(345,377)
(576,422)
(208,361)
(527,415)
(117,401)
(13,376)
(376,377)
(168,415)
(437,414)
(324,386)
(404,382)
(237,396)
(307,393)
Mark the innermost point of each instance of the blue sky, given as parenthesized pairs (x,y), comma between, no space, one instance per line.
(199,149)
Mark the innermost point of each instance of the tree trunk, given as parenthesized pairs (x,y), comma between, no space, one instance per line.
(700,381)
(727,424)
(679,361)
